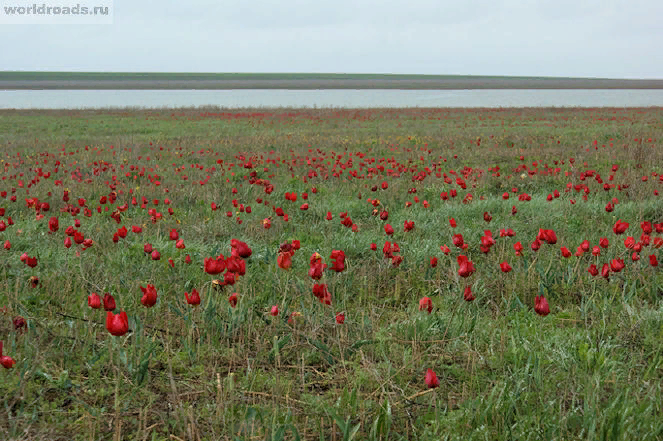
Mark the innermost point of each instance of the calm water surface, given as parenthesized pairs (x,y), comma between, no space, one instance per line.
(72,99)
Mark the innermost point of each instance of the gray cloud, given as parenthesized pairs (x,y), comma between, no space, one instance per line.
(613,38)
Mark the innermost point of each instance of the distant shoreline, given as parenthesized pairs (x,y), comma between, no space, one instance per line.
(188,81)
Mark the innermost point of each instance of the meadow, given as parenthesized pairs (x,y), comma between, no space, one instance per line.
(331,274)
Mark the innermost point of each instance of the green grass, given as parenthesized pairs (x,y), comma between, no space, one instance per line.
(591,370)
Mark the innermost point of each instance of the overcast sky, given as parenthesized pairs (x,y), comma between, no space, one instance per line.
(592,38)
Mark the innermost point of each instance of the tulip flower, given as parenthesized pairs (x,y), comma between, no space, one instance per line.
(505,267)
(426,304)
(593,270)
(431,379)
(467,294)
(117,324)
(233,299)
(338,259)
(340,318)
(53,224)
(149,298)
(109,302)
(388,229)
(605,271)
(518,247)
(316,270)
(274,311)
(284,260)
(5,360)
(193,298)
(616,265)
(214,266)
(94,301)
(653,261)
(241,248)
(466,267)
(620,227)
(322,293)
(541,306)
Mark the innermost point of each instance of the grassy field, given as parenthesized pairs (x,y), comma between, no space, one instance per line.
(352,364)
(185,80)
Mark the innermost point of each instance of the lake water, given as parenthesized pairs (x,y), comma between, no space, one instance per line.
(73,99)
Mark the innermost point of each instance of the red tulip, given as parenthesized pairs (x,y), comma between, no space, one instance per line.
(433,262)
(214,266)
(109,302)
(452,222)
(646,227)
(487,217)
(605,271)
(94,301)
(338,259)
(604,243)
(316,270)
(565,252)
(616,265)
(620,227)
(541,306)
(274,311)
(53,224)
(431,379)
(284,260)
(548,236)
(457,240)
(156,255)
(149,298)
(374,247)
(340,318)
(518,247)
(426,304)
(652,260)
(388,229)
(466,267)
(241,248)
(322,293)
(5,360)
(187,259)
(194,298)
(467,294)
(117,324)
(445,249)
(505,267)
(233,299)
(593,270)
(31,262)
